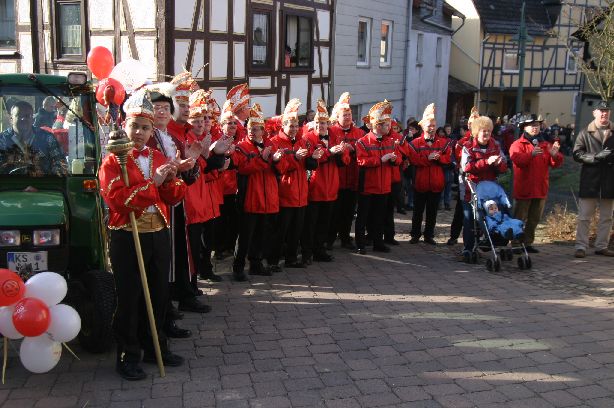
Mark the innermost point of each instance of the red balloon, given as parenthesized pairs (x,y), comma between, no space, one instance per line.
(31,317)
(100,61)
(112,88)
(12,287)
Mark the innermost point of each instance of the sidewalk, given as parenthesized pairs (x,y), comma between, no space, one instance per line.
(412,328)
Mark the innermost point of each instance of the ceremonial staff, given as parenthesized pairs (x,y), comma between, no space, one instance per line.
(120,145)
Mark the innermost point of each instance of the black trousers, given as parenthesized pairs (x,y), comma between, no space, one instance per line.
(130,323)
(316,227)
(371,210)
(181,288)
(343,216)
(254,238)
(430,202)
(391,203)
(202,237)
(288,227)
(226,225)
(457,221)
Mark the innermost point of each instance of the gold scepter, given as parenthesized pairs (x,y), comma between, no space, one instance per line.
(120,145)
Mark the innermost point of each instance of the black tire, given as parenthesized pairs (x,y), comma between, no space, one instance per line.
(497,265)
(489,265)
(96,308)
(510,254)
(528,262)
(522,263)
(474,257)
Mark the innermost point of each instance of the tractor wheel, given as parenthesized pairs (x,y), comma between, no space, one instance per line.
(96,309)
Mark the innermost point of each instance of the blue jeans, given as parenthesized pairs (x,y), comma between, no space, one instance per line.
(447,189)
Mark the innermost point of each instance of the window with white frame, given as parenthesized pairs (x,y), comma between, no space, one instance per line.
(510,62)
(7,24)
(385,50)
(572,65)
(439,52)
(364,41)
(419,47)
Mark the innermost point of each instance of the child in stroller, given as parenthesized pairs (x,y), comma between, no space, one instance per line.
(502,224)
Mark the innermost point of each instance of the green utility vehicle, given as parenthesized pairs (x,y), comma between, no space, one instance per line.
(51,212)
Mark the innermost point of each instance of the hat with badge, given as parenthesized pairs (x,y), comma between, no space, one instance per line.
(527,119)
(139,105)
(185,84)
(321,112)
(239,96)
(380,112)
(291,111)
(256,118)
(602,105)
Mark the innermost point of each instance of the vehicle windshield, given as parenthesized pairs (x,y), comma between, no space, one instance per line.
(40,137)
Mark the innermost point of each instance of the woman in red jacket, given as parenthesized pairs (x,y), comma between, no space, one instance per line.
(256,162)
(481,160)
(429,153)
(532,157)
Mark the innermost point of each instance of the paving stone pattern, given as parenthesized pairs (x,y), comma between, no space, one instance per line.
(413,328)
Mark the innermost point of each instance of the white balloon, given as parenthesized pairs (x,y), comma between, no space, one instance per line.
(39,354)
(50,287)
(130,73)
(65,323)
(7,328)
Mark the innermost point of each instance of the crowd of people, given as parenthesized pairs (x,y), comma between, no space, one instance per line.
(215,182)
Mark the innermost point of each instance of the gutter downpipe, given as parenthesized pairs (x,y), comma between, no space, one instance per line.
(405,71)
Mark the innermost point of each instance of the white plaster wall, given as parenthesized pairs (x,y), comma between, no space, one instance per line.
(101,15)
(219,94)
(316,93)
(238,16)
(184,13)
(298,88)
(219,60)
(260,82)
(103,41)
(147,54)
(143,13)
(25,48)
(9,67)
(324,24)
(268,103)
(181,55)
(219,16)
(199,59)
(23,11)
(239,60)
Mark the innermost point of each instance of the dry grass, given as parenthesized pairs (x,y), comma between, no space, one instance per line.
(561,224)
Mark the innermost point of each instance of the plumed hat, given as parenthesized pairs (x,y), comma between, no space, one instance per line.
(139,105)
(185,85)
(239,96)
(475,113)
(429,114)
(321,112)
(380,112)
(291,110)
(199,103)
(344,102)
(227,111)
(256,118)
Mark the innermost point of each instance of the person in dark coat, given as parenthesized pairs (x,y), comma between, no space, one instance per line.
(593,148)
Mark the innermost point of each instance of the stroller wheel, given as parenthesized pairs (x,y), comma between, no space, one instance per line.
(522,263)
(528,262)
(490,265)
(497,265)
(510,254)
(474,257)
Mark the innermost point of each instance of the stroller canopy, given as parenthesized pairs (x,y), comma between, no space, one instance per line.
(489,190)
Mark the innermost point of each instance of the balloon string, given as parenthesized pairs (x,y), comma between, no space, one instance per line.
(71,352)
(5,358)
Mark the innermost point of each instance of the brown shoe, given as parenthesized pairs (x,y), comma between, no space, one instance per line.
(580,253)
(604,252)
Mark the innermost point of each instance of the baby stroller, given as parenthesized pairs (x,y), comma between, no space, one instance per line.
(500,247)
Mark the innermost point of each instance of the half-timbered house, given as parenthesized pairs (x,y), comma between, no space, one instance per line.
(282,48)
(485,55)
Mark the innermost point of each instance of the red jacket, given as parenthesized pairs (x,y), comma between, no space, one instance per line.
(324,180)
(374,177)
(476,162)
(293,184)
(348,175)
(429,173)
(531,173)
(458,147)
(261,194)
(202,198)
(396,171)
(228,179)
(141,193)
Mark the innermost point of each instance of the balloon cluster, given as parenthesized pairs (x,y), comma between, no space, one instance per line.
(33,310)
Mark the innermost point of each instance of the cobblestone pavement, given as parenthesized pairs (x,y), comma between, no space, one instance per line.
(413,328)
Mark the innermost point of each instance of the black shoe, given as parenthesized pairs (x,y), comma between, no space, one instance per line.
(172,330)
(429,241)
(452,241)
(238,273)
(531,249)
(274,268)
(323,257)
(361,251)
(401,211)
(294,264)
(380,248)
(174,314)
(169,359)
(211,277)
(130,371)
(414,240)
(259,269)
(392,242)
(193,305)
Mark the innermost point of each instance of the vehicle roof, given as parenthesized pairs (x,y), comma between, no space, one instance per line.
(23,79)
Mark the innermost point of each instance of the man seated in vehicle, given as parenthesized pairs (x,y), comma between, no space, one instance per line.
(29,150)
(47,113)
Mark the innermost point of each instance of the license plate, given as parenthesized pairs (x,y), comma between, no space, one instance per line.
(18,261)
